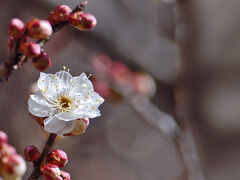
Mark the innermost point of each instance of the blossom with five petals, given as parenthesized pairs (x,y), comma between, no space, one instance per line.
(63,99)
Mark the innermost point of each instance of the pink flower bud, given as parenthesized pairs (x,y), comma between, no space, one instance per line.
(16,28)
(31,153)
(51,172)
(82,21)
(121,74)
(48,177)
(32,49)
(11,42)
(102,63)
(42,62)
(60,14)
(39,29)
(144,84)
(65,175)
(57,157)
(13,167)
(7,149)
(80,127)
(102,88)
(3,137)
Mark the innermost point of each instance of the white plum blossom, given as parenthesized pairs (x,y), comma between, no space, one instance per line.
(63,99)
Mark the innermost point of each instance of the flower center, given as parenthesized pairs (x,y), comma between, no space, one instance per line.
(65,102)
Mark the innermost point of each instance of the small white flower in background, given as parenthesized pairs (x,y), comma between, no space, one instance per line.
(63,99)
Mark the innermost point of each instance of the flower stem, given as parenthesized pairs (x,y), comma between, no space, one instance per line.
(36,171)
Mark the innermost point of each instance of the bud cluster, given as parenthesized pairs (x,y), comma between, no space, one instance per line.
(35,29)
(12,165)
(55,160)
(131,81)
(50,167)
(40,30)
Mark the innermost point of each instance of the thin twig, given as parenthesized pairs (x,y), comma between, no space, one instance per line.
(36,171)
(185,35)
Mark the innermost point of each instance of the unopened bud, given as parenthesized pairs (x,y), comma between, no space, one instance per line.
(13,167)
(16,28)
(39,29)
(57,157)
(51,171)
(31,153)
(65,175)
(82,21)
(121,73)
(102,88)
(102,63)
(3,137)
(42,62)
(144,84)
(32,49)
(80,127)
(60,14)
(48,177)
(7,149)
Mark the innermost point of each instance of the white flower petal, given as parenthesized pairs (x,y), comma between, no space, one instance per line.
(93,100)
(81,85)
(37,109)
(54,125)
(49,85)
(38,106)
(66,116)
(92,113)
(39,99)
(87,112)
(65,78)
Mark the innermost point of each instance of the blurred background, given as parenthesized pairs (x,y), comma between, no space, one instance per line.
(191,50)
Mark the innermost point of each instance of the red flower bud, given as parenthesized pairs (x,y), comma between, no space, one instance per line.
(32,49)
(121,74)
(13,167)
(7,149)
(82,21)
(60,14)
(102,88)
(31,153)
(3,137)
(39,29)
(57,157)
(16,28)
(65,175)
(51,172)
(42,62)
